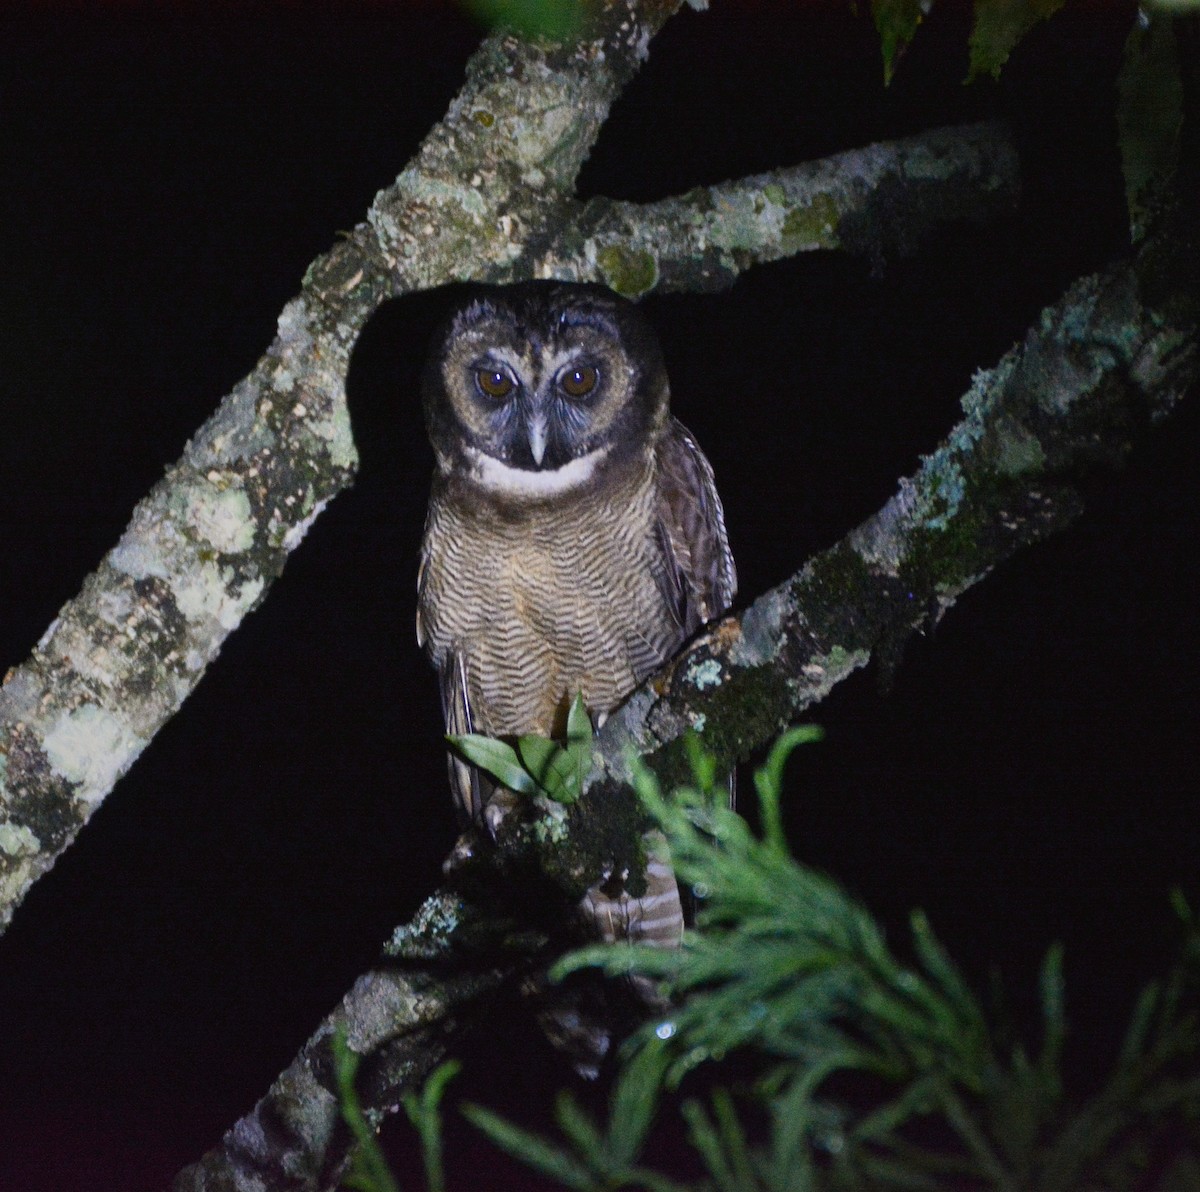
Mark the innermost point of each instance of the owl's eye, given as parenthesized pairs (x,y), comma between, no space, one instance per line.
(579,380)
(493,383)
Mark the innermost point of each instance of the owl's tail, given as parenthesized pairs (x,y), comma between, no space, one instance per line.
(584,1016)
(654,918)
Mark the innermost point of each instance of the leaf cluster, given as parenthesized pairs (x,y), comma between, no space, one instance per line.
(873,1073)
(535,765)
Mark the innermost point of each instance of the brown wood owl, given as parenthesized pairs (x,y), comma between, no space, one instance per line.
(574,539)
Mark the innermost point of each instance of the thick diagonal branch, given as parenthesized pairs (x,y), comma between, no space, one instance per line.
(204,546)
(451,960)
(1116,353)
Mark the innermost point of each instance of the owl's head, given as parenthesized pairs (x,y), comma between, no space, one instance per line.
(530,388)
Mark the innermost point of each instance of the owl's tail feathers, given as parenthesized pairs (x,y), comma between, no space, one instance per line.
(585,1014)
(654,918)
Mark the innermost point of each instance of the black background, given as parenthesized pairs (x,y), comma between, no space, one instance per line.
(165,181)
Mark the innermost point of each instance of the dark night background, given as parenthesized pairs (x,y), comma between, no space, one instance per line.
(164,181)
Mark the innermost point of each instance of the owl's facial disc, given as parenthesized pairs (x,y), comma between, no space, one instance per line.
(536,410)
(535,387)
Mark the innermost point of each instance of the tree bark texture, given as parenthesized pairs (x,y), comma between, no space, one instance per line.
(487,197)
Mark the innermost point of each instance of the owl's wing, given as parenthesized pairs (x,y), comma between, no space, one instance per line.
(698,577)
(465,781)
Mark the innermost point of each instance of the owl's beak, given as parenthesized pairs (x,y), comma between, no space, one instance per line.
(537,437)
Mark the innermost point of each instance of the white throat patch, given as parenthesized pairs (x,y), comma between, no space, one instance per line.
(501,478)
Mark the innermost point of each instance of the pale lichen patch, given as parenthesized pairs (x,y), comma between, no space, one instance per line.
(91,748)
(206,594)
(335,431)
(427,933)
(551,826)
(16,840)
(943,491)
(294,332)
(147,548)
(222,518)
(703,675)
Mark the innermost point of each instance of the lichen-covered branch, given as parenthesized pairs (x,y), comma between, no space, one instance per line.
(205,544)
(1117,352)
(442,969)
(487,197)
(878,199)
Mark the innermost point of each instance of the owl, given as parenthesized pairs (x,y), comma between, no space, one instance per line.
(574,539)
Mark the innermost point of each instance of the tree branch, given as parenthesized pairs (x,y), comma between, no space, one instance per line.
(448,962)
(203,547)
(1116,353)
(490,180)
(878,199)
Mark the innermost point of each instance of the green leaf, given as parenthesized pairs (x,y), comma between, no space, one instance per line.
(896,23)
(1054,1018)
(554,769)
(368,1168)
(579,722)
(424,1112)
(567,773)
(706,1141)
(496,758)
(558,771)
(531,1149)
(999,26)
(577,1125)
(768,781)
(556,20)
(537,755)
(635,1100)
(941,969)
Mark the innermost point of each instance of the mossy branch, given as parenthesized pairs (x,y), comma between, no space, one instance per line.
(1100,365)
(401,1019)
(487,197)
(1115,354)
(881,199)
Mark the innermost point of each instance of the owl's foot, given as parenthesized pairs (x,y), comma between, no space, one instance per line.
(501,807)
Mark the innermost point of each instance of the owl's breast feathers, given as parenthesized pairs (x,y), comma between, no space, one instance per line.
(524,602)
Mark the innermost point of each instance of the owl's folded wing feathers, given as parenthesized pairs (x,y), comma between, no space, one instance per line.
(699,579)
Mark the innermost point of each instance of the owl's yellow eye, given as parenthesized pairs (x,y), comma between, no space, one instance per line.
(493,383)
(579,380)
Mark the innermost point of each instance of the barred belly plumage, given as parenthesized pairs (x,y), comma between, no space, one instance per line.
(548,600)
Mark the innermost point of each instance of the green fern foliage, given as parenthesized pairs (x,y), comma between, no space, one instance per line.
(879,1072)
(870,1071)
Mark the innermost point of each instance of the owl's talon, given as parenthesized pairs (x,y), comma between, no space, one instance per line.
(461,855)
(501,806)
